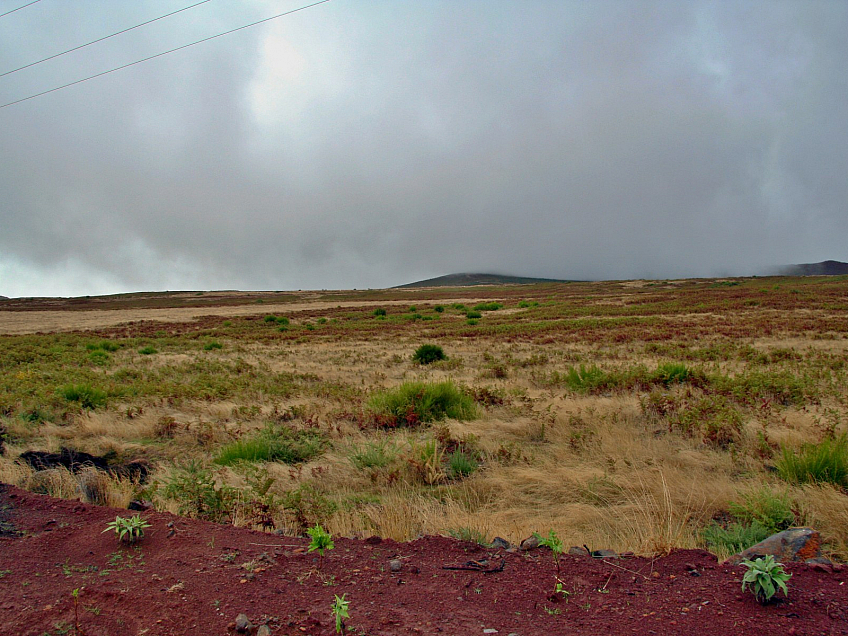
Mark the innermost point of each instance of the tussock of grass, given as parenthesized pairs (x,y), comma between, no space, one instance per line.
(822,463)
(413,403)
(86,395)
(273,444)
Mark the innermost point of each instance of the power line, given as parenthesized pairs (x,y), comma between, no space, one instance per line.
(152,57)
(82,46)
(19,8)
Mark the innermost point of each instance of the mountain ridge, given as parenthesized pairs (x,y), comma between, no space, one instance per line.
(477,279)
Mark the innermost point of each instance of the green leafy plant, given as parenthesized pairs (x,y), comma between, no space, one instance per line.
(148,350)
(340,611)
(320,543)
(765,576)
(553,542)
(379,312)
(428,354)
(128,529)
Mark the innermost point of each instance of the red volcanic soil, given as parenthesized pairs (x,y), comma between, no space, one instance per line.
(191,577)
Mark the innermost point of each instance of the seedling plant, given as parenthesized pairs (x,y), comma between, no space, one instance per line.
(340,612)
(128,529)
(765,576)
(321,541)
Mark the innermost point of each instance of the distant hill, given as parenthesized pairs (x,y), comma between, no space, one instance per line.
(825,268)
(472,280)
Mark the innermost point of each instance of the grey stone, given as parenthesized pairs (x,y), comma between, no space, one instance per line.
(243,625)
(578,551)
(530,543)
(795,544)
(263,630)
(498,542)
(395,565)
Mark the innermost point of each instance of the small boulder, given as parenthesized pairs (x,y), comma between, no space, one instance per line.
(795,544)
(263,630)
(577,550)
(530,543)
(500,543)
(243,625)
(395,565)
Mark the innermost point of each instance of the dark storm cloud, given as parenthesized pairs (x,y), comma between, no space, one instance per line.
(352,145)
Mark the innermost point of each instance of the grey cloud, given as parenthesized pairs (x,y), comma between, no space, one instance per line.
(585,140)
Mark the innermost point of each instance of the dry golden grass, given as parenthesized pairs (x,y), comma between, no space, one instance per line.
(593,467)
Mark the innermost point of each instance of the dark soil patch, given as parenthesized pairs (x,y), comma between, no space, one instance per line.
(191,577)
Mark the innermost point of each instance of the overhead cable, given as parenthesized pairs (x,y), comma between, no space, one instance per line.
(179,48)
(19,8)
(82,46)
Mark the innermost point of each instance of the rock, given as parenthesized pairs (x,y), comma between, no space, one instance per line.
(498,542)
(578,551)
(489,630)
(795,544)
(375,540)
(263,630)
(140,505)
(395,565)
(604,554)
(530,543)
(243,625)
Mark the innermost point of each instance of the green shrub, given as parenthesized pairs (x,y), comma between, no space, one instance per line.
(473,314)
(472,321)
(428,353)
(773,511)
(87,396)
(413,403)
(197,494)
(439,309)
(270,318)
(734,538)
(148,350)
(589,379)
(273,444)
(379,312)
(711,417)
(461,464)
(524,304)
(487,306)
(98,357)
(282,320)
(825,462)
(671,373)
(308,506)
(210,346)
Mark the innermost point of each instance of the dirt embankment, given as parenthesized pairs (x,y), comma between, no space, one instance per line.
(190,577)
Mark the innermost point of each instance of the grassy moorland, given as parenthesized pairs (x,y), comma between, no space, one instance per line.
(626,415)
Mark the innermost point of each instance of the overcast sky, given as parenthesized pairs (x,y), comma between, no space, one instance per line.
(368,144)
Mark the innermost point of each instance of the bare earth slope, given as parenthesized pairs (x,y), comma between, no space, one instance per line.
(192,577)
